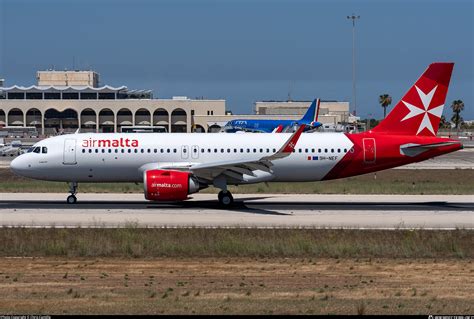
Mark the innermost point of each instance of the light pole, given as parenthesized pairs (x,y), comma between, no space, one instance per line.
(353,17)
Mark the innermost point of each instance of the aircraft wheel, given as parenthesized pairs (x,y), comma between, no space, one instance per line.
(71,199)
(225,199)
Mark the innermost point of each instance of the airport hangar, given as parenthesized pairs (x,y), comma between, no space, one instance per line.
(63,101)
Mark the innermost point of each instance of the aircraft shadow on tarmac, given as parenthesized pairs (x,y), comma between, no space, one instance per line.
(244,205)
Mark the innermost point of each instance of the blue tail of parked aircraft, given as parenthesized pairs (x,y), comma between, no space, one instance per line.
(312,113)
(310,120)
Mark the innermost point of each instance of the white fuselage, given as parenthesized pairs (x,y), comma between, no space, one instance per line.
(124,157)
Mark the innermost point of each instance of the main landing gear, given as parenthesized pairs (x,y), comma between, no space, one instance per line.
(225,198)
(71,199)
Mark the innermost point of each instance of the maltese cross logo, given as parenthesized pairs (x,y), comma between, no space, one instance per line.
(416,110)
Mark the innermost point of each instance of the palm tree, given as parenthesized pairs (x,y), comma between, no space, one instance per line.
(457,106)
(385,100)
(443,123)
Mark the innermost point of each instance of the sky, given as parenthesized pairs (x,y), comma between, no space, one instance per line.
(244,51)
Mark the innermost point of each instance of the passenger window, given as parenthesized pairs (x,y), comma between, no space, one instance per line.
(215,150)
(97,150)
(235,150)
(194,150)
(255,150)
(261,150)
(184,150)
(203,150)
(339,150)
(268,150)
(161,150)
(241,150)
(228,150)
(90,150)
(345,150)
(319,150)
(116,150)
(222,150)
(325,150)
(299,150)
(174,150)
(209,150)
(103,150)
(306,150)
(274,150)
(168,150)
(110,150)
(312,150)
(248,150)
(135,150)
(129,150)
(83,150)
(149,150)
(155,150)
(332,150)
(123,151)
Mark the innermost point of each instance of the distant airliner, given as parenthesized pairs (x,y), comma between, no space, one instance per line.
(174,165)
(310,120)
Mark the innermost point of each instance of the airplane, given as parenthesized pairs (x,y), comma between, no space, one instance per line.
(310,119)
(172,166)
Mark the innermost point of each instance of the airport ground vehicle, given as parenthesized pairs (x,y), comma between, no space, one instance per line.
(172,166)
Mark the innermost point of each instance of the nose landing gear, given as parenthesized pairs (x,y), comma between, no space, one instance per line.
(71,199)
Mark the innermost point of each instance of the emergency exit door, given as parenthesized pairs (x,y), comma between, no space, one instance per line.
(69,157)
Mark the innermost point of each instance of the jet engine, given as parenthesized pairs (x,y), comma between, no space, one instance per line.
(166,185)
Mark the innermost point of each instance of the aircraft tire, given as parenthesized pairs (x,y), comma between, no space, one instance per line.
(71,199)
(225,199)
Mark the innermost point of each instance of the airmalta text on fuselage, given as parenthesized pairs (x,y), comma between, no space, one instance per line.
(120,142)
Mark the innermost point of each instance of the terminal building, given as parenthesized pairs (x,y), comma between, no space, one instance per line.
(63,101)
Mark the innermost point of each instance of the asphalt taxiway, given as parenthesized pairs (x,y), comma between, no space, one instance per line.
(250,210)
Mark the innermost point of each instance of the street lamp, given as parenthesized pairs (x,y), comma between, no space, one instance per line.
(353,17)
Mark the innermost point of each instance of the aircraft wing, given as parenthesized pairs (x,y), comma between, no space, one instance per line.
(235,169)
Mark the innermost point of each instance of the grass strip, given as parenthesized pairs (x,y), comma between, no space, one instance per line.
(198,242)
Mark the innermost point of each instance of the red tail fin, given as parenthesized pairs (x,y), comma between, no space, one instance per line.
(419,112)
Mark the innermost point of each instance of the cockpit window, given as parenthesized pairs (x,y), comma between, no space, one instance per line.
(37,150)
(30,149)
(44,150)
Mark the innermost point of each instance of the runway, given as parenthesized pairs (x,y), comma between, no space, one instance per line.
(251,210)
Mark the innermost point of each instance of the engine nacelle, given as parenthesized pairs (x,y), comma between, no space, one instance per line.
(164,185)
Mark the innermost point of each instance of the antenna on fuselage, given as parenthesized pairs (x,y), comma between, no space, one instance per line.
(77,131)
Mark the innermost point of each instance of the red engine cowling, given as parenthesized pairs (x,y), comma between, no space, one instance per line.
(164,185)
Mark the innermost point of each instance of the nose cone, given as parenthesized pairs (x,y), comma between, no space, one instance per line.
(19,165)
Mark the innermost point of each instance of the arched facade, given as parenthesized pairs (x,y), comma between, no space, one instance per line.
(88,121)
(3,119)
(124,118)
(178,121)
(106,121)
(34,117)
(198,129)
(15,117)
(214,128)
(65,121)
(143,117)
(161,117)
